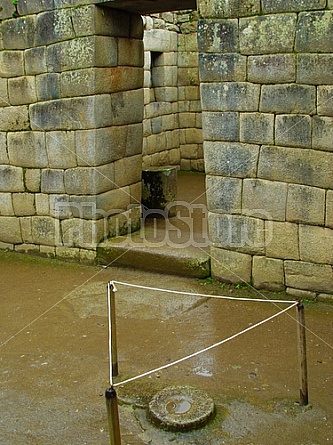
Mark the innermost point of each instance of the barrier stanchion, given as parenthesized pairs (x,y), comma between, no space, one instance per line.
(304,396)
(113,328)
(113,416)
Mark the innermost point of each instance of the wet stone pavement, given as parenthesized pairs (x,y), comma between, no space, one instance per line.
(54,359)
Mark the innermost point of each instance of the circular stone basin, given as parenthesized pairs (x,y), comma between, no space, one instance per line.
(181,408)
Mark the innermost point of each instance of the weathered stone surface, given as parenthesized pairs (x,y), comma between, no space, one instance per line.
(329,209)
(126,107)
(267,34)
(14,118)
(257,128)
(227,8)
(182,59)
(222,67)
(48,86)
(11,63)
(3,149)
(72,114)
(281,240)
(229,266)
(218,36)
(314,31)
(231,159)
(325,100)
(24,204)
(45,230)
(52,181)
(8,9)
(6,204)
(273,68)
(301,294)
(32,179)
(315,69)
(83,233)
(88,181)
(130,52)
(54,26)
(164,76)
(235,232)
(136,26)
(27,149)
(267,197)
(230,96)
(306,204)
(160,40)
(60,147)
(315,244)
(309,276)
(220,126)
(35,60)
(293,130)
(42,204)
(22,90)
(224,195)
(19,33)
(10,230)
(186,76)
(291,98)
(127,171)
(271,6)
(4,98)
(169,94)
(267,273)
(59,206)
(322,133)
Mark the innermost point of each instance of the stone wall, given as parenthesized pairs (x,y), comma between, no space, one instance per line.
(266,92)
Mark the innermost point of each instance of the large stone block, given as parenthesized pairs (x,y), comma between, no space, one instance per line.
(315,244)
(160,40)
(315,69)
(48,87)
(3,149)
(267,198)
(7,9)
(4,98)
(325,100)
(43,204)
(6,204)
(90,181)
(60,206)
(168,94)
(10,230)
(54,26)
(26,7)
(24,204)
(22,90)
(14,118)
(322,133)
(229,266)
(297,165)
(72,114)
(130,52)
(45,230)
(267,273)
(19,33)
(218,36)
(164,76)
(257,128)
(184,60)
(224,195)
(273,68)
(291,98)
(220,126)
(230,96)
(187,76)
(35,61)
(272,6)
(306,204)
(329,209)
(11,63)
(267,34)
(222,67)
(231,159)
(60,147)
(126,107)
(27,149)
(293,130)
(127,171)
(32,179)
(314,31)
(309,276)
(123,78)
(83,233)
(281,240)
(52,181)
(229,8)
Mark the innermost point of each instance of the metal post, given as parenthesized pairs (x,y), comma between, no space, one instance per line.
(113,416)
(304,397)
(113,329)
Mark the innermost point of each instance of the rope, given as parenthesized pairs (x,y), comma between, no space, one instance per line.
(206,349)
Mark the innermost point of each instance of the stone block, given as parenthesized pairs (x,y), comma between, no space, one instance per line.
(231,267)
(42,204)
(4,98)
(127,171)
(126,107)
(48,86)
(45,230)
(22,90)
(325,298)
(301,294)
(60,147)
(47,251)
(273,68)
(19,33)
(293,130)
(231,159)
(218,36)
(314,30)
(72,114)
(32,178)
(325,100)
(267,34)
(130,52)
(11,179)
(90,181)
(230,96)
(14,118)
(60,206)
(257,128)
(68,253)
(219,126)
(136,26)
(315,69)
(54,26)
(329,209)
(288,98)
(185,59)
(267,273)
(10,230)
(265,197)
(297,165)
(6,204)
(187,76)
(160,40)
(7,9)
(306,204)
(24,204)
(166,94)
(26,7)
(164,76)
(229,8)
(83,233)
(222,67)
(309,276)
(281,240)
(35,61)
(272,6)
(26,229)
(224,195)
(11,63)
(27,149)
(235,232)
(122,79)
(52,181)
(3,149)
(322,133)
(315,244)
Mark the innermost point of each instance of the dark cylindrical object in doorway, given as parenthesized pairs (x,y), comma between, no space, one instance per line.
(113,416)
